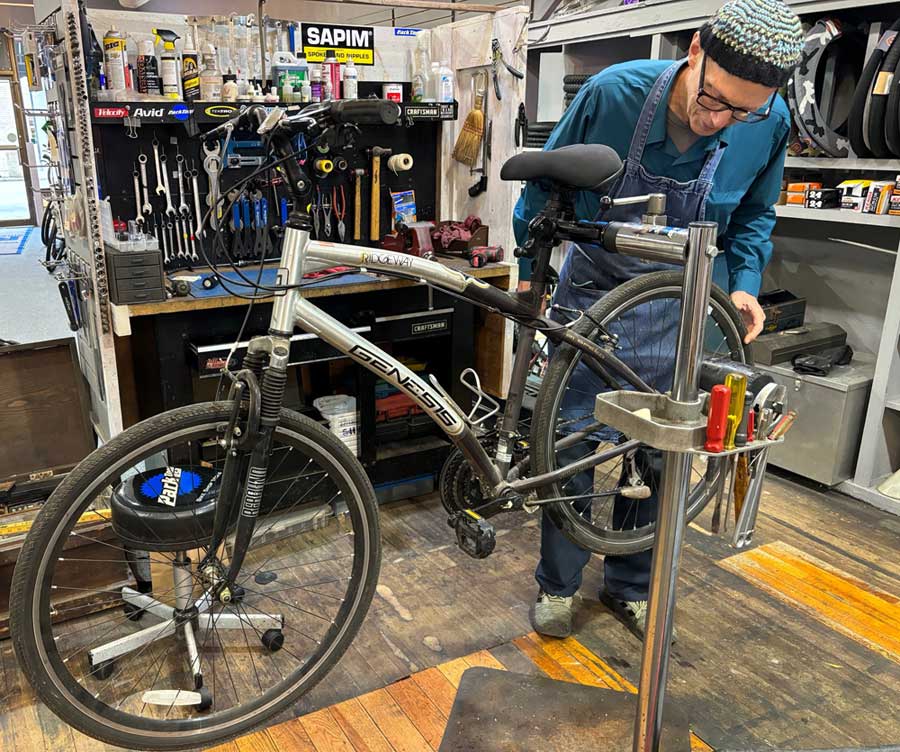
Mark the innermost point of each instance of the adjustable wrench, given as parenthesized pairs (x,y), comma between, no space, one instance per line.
(212,165)
(159,182)
(179,167)
(138,217)
(142,162)
(165,173)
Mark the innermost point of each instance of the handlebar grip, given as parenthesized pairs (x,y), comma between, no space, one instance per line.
(365,111)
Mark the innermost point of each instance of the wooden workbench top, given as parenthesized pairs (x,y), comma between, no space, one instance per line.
(177,305)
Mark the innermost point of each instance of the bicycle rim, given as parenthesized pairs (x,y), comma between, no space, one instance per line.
(612,523)
(311,567)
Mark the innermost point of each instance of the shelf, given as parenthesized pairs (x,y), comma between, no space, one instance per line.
(837,215)
(842,163)
(893,404)
(870,495)
(172,113)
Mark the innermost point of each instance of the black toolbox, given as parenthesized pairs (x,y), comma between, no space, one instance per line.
(134,276)
(783,310)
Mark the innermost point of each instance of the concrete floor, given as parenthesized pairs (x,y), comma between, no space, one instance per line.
(30,307)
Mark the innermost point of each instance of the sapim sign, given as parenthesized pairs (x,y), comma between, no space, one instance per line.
(355,43)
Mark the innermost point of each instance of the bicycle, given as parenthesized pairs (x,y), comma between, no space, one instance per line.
(265,521)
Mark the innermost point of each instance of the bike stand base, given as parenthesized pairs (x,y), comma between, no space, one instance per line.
(500,711)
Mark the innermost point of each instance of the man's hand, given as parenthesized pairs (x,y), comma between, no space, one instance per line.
(751,313)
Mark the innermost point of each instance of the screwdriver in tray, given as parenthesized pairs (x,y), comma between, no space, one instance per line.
(737,383)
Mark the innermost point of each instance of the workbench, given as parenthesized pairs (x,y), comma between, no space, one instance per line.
(170,353)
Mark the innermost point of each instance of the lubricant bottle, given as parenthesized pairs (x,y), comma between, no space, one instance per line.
(115,59)
(331,71)
(190,71)
(211,81)
(351,75)
(168,63)
(147,69)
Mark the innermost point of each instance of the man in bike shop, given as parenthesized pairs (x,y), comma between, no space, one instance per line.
(710,132)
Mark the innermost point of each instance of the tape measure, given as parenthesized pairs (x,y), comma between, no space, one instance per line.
(17,528)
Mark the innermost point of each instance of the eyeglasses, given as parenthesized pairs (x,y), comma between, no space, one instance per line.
(708,102)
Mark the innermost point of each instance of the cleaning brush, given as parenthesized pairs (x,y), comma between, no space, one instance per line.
(468,144)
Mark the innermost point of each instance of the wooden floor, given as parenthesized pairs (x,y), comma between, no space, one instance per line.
(793,644)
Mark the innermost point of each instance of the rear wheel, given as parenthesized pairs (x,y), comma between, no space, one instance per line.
(119,641)
(643,313)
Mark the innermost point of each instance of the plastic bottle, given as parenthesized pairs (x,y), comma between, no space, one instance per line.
(168,63)
(327,90)
(147,69)
(431,93)
(229,88)
(115,59)
(211,81)
(305,92)
(445,84)
(351,77)
(421,66)
(244,91)
(190,70)
(315,83)
(331,72)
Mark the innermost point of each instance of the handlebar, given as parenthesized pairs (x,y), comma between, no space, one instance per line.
(344,111)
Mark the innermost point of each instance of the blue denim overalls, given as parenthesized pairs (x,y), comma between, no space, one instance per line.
(587,274)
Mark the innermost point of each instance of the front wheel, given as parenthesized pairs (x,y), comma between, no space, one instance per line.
(124,637)
(644,315)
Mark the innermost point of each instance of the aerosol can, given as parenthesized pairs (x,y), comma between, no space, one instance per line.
(115,59)
(147,69)
(168,63)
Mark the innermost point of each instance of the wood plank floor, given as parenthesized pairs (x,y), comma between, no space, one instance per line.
(762,660)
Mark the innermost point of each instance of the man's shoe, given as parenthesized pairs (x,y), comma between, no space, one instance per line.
(632,613)
(551,615)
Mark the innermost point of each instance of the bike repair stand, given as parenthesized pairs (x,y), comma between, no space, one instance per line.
(500,710)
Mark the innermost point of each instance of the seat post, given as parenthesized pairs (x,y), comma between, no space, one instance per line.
(559,206)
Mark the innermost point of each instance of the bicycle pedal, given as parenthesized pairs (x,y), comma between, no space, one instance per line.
(474,534)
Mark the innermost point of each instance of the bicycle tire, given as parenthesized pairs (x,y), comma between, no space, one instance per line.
(543,437)
(31,634)
(45,224)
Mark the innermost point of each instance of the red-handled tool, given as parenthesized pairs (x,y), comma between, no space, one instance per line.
(719,399)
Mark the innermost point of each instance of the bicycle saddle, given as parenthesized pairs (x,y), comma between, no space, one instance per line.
(586,167)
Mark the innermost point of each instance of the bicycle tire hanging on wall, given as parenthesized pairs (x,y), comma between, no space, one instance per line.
(861,96)
(821,125)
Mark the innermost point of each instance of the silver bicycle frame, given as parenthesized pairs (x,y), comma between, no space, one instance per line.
(301,255)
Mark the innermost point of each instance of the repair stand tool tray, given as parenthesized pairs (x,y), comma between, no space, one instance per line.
(501,711)
(670,426)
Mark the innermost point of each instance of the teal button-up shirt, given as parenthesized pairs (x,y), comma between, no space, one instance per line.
(746,184)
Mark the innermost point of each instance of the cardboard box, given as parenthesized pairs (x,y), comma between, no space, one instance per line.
(802,187)
(823,198)
(797,199)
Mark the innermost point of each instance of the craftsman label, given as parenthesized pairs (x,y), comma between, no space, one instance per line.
(110,112)
(221,110)
(355,43)
(429,326)
(406,32)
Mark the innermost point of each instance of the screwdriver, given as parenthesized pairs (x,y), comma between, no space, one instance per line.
(719,400)
(737,383)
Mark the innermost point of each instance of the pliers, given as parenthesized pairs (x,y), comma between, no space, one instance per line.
(496,59)
(521,126)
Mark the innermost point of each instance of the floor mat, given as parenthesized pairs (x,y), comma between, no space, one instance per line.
(13,240)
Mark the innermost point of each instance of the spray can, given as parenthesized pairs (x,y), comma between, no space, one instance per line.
(115,59)
(147,69)
(315,83)
(190,71)
(168,63)
(331,71)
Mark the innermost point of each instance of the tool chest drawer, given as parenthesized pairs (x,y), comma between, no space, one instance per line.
(824,442)
(134,276)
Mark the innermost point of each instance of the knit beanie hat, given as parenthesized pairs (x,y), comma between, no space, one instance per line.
(756,40)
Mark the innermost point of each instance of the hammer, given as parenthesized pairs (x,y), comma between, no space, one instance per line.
(375,201)
(357,206)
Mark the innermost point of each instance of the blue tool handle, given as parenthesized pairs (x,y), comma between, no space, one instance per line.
(245,205)
(284,211)
(236,215)
(264,209)
(257,214)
